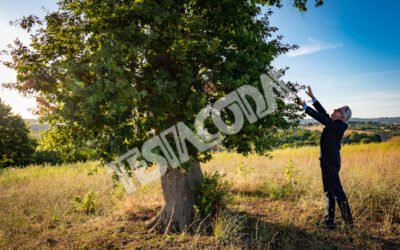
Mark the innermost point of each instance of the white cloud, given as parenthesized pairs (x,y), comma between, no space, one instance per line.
(315,46)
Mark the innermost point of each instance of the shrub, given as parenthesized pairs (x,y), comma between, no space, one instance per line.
(365,140)
(87,204)
(51,157)
(211,195)
(243,170)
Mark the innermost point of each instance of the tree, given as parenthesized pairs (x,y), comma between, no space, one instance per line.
(16,147)
(365,140)
(114,70)
(66,144)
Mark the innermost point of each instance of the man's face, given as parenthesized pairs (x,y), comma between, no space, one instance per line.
(337,114)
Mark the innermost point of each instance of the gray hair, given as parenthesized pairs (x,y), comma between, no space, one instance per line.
(346,113)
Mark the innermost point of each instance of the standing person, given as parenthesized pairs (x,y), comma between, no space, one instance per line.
(335,126)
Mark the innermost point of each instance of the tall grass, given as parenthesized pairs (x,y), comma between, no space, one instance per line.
(37,202)
(370,175)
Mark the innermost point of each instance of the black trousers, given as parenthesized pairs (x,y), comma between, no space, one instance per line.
(334,194)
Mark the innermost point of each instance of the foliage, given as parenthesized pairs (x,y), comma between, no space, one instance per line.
(297,138)
(305,137)
(114,70)
(243,170)
(365,140)
(355,137)
(65,145)
(41,157)
(87,204)
(299,4)
(16,147)
(211,195)
(289,170)
(388,128)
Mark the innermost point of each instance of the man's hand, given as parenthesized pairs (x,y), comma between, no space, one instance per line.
(299,101)
(310,93)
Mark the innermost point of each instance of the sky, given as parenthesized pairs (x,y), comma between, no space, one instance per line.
(349,52)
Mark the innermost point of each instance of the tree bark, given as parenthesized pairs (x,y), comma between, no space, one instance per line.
(178,211)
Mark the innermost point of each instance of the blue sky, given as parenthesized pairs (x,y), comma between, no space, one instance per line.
(349,52)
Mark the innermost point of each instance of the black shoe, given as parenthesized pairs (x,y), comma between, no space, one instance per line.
(349,226)
(327,224)
(330,226)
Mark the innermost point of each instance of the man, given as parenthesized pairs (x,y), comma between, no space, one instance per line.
(335,126)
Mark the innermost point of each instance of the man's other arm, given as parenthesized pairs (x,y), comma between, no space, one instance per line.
(324,119)
(319,107)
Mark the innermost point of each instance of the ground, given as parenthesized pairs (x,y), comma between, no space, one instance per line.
(273,203)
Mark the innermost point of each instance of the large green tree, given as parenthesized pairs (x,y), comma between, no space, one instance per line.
(16,147)
(114,70)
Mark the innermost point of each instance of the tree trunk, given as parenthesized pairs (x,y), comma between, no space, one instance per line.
(178,211)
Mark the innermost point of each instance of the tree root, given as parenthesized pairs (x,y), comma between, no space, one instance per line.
(162,223)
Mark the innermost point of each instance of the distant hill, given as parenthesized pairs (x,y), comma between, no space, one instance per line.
(383,120)
(36,127)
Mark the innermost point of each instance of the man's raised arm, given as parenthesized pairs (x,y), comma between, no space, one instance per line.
(324,119)
(316,103)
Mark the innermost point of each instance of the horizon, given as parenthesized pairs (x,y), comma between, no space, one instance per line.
(307,118)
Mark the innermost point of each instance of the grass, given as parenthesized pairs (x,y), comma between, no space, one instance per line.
(395,138)
(276,203)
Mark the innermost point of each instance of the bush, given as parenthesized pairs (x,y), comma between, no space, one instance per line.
(355,137)
(42,157)
(210,195)
(365,140)
(16,147)
(87,204)
(69,148)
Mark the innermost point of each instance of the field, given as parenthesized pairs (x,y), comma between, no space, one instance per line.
(274,203)
(347,132)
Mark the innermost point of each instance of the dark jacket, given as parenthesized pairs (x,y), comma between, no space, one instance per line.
(331,135)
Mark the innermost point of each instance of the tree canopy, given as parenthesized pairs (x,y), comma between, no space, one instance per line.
(113,70)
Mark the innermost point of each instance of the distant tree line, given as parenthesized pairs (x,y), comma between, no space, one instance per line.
(376,127)
(297,138)
(355,137)
(305,137)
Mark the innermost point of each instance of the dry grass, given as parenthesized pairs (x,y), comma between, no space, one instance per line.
(395,138)
(278,198)
(370,175)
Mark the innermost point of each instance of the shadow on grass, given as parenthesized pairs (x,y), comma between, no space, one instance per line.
(276,192)
(241,229)
(252,231)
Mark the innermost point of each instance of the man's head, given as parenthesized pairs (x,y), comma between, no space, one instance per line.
(343,113)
